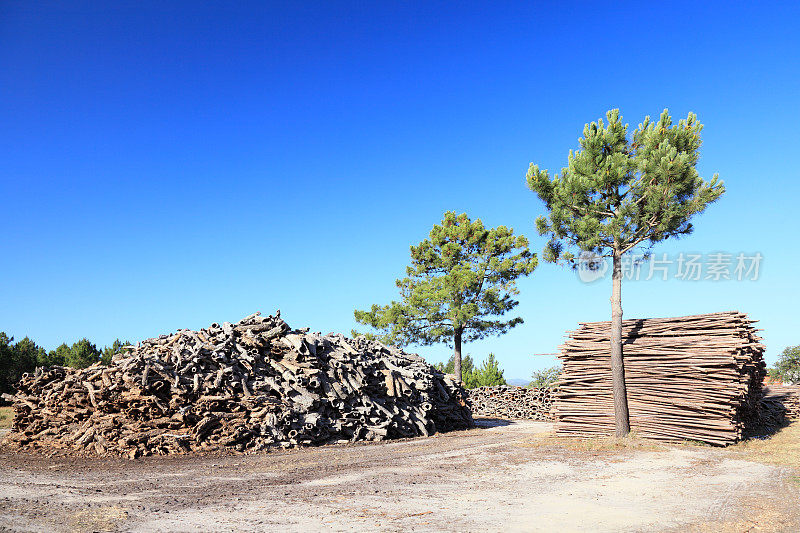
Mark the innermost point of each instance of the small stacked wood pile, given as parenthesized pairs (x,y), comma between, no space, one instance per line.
(504,401)
(771,416)
(781,402)
(244,386)
(789,396)
(688,378)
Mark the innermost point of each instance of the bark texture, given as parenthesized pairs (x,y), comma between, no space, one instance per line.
(457,355)
(621,417)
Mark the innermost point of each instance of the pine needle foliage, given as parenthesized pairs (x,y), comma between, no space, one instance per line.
(617,193)
(489,374)
(467,370)
(460,283)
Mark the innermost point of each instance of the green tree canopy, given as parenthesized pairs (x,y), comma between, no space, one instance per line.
(467,370)
(488,374)
(55,357)
(545,378)
(110,351)
(618,193)
(82,354)
(787,367)
(15,360)
(30,352)
(25,355)
(461,280)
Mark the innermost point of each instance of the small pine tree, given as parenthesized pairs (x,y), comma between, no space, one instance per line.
(15,360)
(489,374)
(461,280)
(57,357)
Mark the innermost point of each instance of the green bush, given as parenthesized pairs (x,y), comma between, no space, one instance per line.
(545,378)
(787,368)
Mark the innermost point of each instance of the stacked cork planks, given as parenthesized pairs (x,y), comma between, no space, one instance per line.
(688,378)
(503,401)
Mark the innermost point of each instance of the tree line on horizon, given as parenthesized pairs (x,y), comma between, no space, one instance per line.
(17,358)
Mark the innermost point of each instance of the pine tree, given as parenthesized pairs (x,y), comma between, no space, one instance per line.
(82,354)
(489,374)
(467,369)
(59,356)
(461,280)
(15,360)
(618,193)
(110,351)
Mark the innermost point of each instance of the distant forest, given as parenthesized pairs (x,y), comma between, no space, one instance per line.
(16,358)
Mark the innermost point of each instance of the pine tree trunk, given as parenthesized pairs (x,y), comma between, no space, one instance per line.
(621,417)
(457,355)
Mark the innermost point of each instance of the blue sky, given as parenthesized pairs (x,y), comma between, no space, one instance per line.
(167,167)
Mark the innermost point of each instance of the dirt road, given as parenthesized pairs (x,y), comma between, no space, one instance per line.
(490,479)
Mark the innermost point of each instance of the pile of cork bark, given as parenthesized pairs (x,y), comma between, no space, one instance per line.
(511,402)
(688,378)
(244,386)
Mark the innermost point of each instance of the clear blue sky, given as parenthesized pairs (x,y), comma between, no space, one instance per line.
(168,167)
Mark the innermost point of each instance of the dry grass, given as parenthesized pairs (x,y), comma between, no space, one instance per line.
(593,444)
(105,518)
(782,448)
(6,415)
(761,514)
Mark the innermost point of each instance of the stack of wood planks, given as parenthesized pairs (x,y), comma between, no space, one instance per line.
(786,397)
(688,378)
(244,386)
(504,401)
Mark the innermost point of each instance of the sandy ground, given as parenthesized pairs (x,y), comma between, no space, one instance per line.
(502,478)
